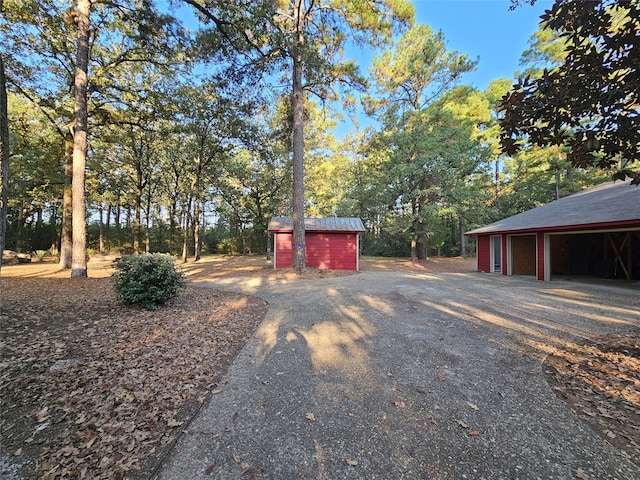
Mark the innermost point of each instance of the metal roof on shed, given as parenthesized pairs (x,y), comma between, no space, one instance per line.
(606,204)
(331,224)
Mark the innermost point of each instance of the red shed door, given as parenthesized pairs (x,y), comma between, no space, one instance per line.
(484,253)
(332,251)
(284,250)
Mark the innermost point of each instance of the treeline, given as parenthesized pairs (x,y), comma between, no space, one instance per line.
(190,134)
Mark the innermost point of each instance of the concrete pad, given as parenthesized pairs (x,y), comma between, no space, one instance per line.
(390,375)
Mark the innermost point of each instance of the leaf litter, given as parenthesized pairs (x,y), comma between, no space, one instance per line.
(36,335)
(600,380)
(126,380)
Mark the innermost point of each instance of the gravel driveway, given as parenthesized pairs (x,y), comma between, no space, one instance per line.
(400,375)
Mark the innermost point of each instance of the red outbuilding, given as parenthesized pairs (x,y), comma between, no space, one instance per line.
(330,243)
(595,232)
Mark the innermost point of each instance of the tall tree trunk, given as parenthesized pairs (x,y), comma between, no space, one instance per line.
(422,239)
(53,222)
(149,216)
(147,236)
(415,232)
(260,224)
(147,226)
(101,238)
(39,223)
(172,225)
(5,153)
(79,228)
(463,239)
(137,222)
(422,244)
(414,241)
(67,207)
(570,175)
(185,236)
(196,230)
(118,213)
(299,257)
(19,227)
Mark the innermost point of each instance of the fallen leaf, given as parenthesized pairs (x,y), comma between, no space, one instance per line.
(473,433)
(535,372)
(310,416)
(603,411)
(209,470)
(89,443)
(105,462)
(18,452)
(173,423)
(581,474)
(353,463)
(244,466)
(42,415)
(441,377)
(399,404)
(473,406)
(462,424)
(216,392)
(236,459)
(68,450)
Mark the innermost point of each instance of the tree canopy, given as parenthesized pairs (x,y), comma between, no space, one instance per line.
(205,121)
(590,103)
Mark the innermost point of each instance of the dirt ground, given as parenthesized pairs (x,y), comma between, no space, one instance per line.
(94,389)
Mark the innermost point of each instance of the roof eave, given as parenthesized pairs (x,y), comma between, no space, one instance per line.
(631,224)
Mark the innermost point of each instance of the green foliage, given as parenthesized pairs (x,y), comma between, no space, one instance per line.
(598,79)
(546,50)
(415,72)
(385,245)
(147,280)
(226,246)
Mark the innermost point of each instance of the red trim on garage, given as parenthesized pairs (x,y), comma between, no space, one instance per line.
(484,253)
(504,259)
(540,255)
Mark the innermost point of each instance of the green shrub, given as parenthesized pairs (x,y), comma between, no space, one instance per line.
(147,280)
(227,246)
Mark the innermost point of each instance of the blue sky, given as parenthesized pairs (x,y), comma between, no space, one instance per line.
(485,29)
(479,28)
